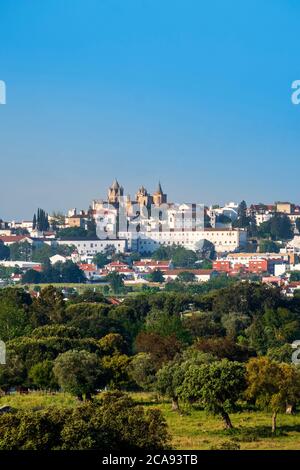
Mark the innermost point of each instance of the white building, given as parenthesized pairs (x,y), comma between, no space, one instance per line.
(229,210)
(86,248)
(224,240)
(245,258)
(201,275)
(57,259)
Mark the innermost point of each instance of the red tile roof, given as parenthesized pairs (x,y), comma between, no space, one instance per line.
(13,238)
(87,267)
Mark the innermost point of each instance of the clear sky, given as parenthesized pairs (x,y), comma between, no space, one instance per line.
(194,93)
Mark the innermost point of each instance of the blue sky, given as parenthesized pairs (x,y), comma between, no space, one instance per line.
(194,93)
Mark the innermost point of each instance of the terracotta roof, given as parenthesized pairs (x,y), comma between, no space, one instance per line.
(116,263)
(13,238)
(87,267)
(174,272)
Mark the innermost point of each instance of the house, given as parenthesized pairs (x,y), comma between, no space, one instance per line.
(201,275)
(147,265)
(90,247)
(57,259)
(89,270)
(10,239)
(116,266)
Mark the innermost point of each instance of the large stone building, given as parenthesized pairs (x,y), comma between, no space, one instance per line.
(150,220)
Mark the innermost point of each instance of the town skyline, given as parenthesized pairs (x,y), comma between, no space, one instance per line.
(102,194)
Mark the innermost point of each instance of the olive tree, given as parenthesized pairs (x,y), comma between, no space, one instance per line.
(272,385)
(79,373)
(216,386)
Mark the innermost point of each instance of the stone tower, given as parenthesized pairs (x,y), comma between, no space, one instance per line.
(115,192)
(142,197)
(159,197)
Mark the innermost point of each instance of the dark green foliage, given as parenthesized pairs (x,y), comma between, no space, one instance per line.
(60,331)
(21,251)
(49,307)
(216,386)
(4,251)
(204,325)
(268,246)
(14,305)
(224,348)
(162,323)
(42,377)
(79,372)
(40,221)
(62,272)
(74,233)
(32,277)
(114,424)
(279,227)
(186,276)
(142,371)
(115,281)
(161,348)
(100,260)
(156,276)
(295,275)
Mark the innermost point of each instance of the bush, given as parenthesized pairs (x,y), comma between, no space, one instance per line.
(114,423)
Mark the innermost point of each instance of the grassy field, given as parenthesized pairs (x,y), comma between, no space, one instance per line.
(195,429)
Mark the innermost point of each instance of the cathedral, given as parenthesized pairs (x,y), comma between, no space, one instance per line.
(142,197)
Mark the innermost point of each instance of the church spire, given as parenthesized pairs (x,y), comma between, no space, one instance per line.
(159,188)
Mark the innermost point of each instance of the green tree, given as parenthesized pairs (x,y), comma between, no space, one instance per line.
(183,258)
(115,423)
(13,319)
(31,276)
(216,386)
(112,343)
(20,251)
(13,373)
(224,348)
(162,253)
(243,220)
(42,376)
(168,379)
(279,227)
(42,253)
(295,275)
(186,276)
(116,282)
(272,385)
(34,222)
(72,233)
(268,246)
(49,307)
(116,370)
(100,260)
(162,323)
(142,371)
(4,251)
(79,373)
(156,276)
(161,348)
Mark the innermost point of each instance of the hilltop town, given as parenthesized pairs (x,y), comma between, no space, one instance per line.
(149,239)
